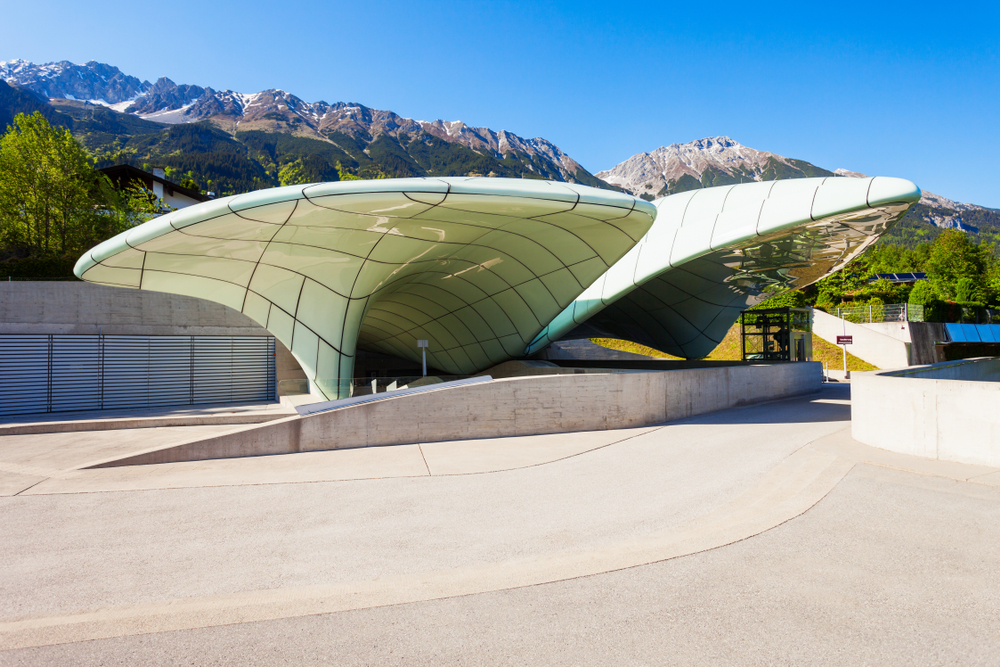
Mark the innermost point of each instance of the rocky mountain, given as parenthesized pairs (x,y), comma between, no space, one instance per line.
(349,127)
(722,161)
(701,164)
(92,81)
(231,142)
(934,213)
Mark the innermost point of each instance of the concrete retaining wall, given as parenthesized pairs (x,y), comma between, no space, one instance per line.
(509,407)
(77,307)
(946,411)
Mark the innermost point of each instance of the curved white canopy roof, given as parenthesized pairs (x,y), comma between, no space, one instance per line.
(477,266)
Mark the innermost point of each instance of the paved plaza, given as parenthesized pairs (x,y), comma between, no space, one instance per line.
(754,536)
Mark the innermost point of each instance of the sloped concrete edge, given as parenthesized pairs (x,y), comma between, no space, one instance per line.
(510,407)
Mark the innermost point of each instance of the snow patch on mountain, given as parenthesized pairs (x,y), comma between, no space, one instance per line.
(270,110)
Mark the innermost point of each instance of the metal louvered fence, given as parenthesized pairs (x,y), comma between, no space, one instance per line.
(63,373)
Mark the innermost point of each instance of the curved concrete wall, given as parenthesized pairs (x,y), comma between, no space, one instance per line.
(945,411)
(509,407)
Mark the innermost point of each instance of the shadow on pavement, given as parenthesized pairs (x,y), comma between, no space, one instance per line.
(830,404)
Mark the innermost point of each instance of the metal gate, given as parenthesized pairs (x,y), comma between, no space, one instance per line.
(62,373)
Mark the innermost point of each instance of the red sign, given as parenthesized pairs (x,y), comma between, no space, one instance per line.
(845,340)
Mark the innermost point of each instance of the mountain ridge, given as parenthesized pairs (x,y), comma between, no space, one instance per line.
(272,110)
(232,142)
(723,161)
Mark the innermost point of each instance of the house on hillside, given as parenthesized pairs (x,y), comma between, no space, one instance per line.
(169,193)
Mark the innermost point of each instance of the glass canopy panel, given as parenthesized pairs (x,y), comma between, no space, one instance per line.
(256,308)
(335,270)
(402,250)
(233,227)
(113,275)
(387,204)
(279,286)
(567,246)
(523,188)
(230,270)
(609,242)
(310,215)
(281,324)
(494,351)
(587,272)
(561,285)
(127,259)
(500,323)
(444,232)
(519,313)
(461,329)
(450,291)
(305,347)
(533,256)
(705,205)
(345,241)
(462,217)
(707,288)
(832,194)
(603,212)
(412,296)
(504,205)
(180,243)
(433,248)
(440,333)
(275,214)
(193,215)
(401,309)
(499,263)
(262,198)
(322,310)
(226,293)
(543,306)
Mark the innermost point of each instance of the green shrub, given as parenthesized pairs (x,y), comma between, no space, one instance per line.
(790,299)
(923,293)
(46,266)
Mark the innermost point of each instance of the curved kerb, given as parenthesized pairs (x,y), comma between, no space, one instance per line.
(477,266)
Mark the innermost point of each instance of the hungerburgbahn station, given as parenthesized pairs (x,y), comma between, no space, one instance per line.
(478,271)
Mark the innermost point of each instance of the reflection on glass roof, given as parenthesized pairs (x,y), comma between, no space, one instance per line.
(476,266)
(712,253)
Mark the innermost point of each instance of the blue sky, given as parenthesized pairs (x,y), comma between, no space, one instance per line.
(899,89)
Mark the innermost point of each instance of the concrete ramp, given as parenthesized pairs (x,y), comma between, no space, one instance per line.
(508,407)
(878,348)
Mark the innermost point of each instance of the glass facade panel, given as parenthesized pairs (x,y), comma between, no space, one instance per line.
(323,311)
(228,294)
(344,241)
(305,347)
(279,286)
(335,270)
(256,308)
(233,227)
(220,268)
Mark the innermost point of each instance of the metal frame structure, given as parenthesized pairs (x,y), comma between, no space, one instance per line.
(776,334)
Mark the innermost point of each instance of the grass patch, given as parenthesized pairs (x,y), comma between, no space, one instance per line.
(629,346)
(830,355)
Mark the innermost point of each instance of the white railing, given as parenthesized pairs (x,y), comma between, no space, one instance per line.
(889,312)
